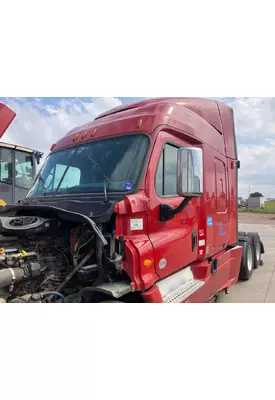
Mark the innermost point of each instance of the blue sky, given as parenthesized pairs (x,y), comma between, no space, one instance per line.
(42,121)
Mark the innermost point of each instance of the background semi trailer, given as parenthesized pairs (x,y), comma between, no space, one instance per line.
(17,163)
(139,205)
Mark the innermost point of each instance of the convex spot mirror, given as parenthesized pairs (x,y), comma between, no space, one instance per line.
(189,172)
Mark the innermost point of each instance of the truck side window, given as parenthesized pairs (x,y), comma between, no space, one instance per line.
(221,192)
(166,176)
(24,170)
(6,165)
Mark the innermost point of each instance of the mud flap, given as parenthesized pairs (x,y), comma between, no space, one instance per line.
(6,117)
(262,248)
(214,267)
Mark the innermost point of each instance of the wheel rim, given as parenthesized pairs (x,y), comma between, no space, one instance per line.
(249,258)
(258,251)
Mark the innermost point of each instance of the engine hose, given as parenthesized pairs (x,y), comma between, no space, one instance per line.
(3,265)
(53,293)
(10,275)
(73,272)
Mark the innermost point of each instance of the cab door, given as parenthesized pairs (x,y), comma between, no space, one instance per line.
(174,241)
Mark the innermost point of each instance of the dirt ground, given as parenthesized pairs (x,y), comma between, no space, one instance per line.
(256,218)
(261,287)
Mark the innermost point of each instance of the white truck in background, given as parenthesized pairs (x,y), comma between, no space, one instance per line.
(17,164)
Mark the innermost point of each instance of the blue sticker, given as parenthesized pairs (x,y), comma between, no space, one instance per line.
(221,232)
(209,221)
(128,186)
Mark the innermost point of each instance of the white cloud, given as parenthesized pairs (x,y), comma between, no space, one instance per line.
(254,116)
(38,125)
(255,128)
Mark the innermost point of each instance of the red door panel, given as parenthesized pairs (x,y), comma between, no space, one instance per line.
(171,240)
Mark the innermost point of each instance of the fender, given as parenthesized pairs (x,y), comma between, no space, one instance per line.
(6,118)
(114,289)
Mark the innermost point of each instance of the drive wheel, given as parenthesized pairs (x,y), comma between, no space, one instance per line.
(256,247)
(247,263)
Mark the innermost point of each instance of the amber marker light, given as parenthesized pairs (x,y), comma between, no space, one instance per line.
(147,263)
(139,124)
(93,132)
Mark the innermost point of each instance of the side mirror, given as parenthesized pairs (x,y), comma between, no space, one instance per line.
(190,172)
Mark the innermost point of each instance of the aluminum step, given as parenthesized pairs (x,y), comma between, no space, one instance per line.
(179,286)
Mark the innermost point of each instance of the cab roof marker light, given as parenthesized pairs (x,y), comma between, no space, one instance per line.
(170,110)
(93,132)
(75,138)
(139,123)
(52,146)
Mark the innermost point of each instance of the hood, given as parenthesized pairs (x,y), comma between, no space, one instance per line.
(47,211)
(6,117)
(92,207)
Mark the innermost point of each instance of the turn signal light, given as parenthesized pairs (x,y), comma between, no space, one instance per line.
(147,263)
(2,203)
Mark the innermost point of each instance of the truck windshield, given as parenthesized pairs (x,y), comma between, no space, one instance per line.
(113,164)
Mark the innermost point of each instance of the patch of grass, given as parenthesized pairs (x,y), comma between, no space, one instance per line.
(270,205)
(257,210)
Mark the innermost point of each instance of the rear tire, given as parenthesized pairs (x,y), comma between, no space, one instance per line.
(242,234)
(256,247)
(247,263)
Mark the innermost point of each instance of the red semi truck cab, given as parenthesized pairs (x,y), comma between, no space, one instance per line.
(158,179)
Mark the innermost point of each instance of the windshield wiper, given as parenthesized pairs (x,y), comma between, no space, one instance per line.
(105,178)
(42,180)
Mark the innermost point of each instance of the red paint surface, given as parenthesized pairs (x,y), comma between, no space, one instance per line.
(152,295)
(6,117)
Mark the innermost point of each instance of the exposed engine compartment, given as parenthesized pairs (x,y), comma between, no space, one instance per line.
(53,260)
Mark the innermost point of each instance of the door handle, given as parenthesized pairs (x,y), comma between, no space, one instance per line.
(194,240)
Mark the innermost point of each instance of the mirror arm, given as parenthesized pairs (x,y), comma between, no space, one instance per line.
(168,212)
